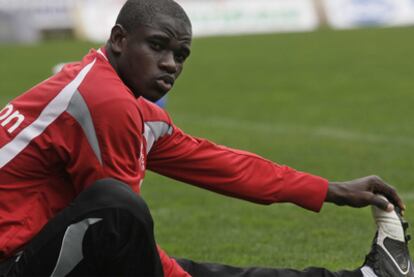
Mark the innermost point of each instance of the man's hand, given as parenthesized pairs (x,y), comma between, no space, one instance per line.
(362,192)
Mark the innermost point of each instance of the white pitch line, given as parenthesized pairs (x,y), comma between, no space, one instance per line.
(229,123)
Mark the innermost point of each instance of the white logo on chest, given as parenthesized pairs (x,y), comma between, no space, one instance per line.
(11,118)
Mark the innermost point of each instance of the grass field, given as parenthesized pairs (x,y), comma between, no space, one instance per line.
(336,104)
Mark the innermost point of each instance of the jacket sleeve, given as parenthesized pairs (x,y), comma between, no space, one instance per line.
(170,266)
(233,172)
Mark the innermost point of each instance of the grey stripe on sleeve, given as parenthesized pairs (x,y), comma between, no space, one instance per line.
(80,112)
(153,130)
(71,251)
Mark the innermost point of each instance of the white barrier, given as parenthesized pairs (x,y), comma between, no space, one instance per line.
(17,28)
(95,18)
(343,14)
(246,16)
(209,17)
(42,14)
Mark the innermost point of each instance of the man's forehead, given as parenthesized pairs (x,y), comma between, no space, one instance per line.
(173,27)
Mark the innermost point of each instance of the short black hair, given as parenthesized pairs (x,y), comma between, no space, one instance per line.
(135,13)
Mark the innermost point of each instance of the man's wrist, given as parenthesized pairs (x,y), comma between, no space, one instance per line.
(335,193)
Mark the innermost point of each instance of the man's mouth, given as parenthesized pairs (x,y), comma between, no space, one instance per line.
(165,83)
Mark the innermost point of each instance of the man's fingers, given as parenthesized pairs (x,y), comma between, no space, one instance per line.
(370,190)
(382,203)
(390,193)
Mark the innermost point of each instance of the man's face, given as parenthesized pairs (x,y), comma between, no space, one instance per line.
(151,57)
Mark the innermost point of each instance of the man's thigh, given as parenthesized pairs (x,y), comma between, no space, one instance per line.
(107,229)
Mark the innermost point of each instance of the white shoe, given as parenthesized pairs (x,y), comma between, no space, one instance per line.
(389,256)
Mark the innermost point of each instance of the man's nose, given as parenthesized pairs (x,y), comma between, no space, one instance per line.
(168,63)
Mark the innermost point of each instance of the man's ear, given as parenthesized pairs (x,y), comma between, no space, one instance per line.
(118,38)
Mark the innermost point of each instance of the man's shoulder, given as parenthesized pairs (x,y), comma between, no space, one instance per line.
(152,112)
(103,92)
(100,95)
(102,83)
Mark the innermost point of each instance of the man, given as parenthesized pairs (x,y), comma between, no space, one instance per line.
(74,150)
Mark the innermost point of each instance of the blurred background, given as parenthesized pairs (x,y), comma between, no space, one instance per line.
(324,86)
(31,21)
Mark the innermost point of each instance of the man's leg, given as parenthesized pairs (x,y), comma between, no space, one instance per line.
(107,230)
(389,256)
(219,270)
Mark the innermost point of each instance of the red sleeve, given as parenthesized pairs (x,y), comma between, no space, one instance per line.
(170,266)
(233,172)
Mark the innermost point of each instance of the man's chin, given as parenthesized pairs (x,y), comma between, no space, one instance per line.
(154,96)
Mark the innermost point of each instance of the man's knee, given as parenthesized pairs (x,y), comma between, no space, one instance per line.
(113,194)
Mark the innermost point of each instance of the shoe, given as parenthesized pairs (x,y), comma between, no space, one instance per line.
(389,256)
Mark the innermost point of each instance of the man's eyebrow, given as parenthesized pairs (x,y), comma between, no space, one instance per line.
(164,37)
(159,36)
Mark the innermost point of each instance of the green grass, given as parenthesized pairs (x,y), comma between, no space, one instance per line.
(336,104)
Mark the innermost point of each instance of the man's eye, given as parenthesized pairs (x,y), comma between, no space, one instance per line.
(156,45)
(180,57)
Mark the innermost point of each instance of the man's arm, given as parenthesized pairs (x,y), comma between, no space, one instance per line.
(244,175)
(233,172)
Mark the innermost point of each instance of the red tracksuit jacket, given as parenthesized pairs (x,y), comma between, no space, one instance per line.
(83,124)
